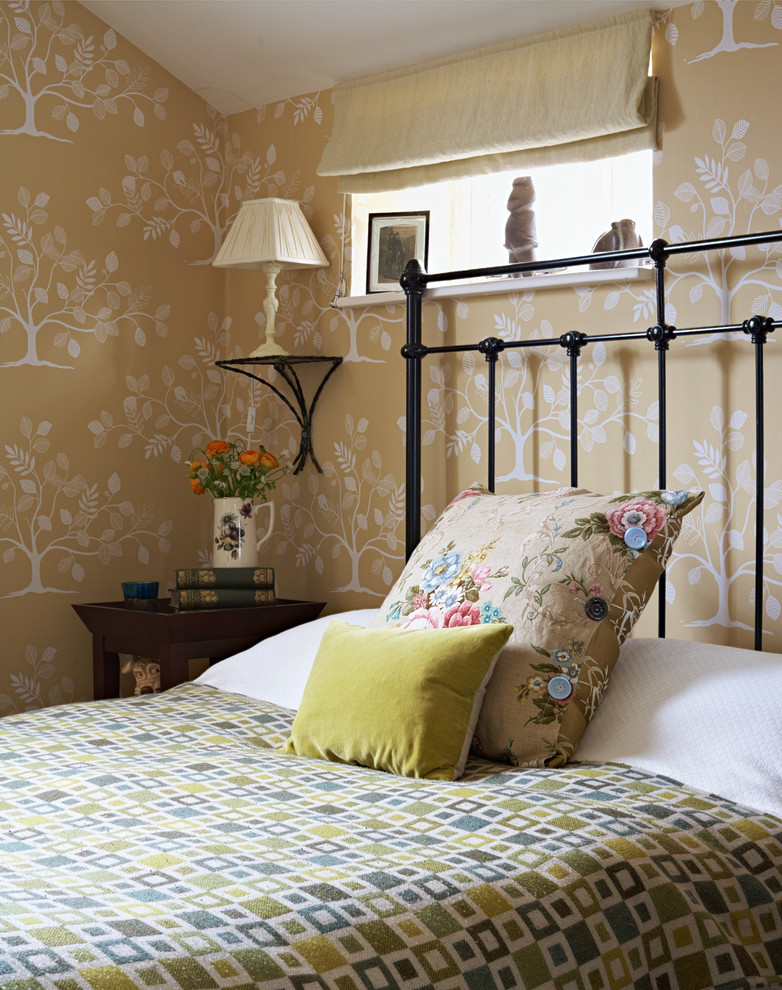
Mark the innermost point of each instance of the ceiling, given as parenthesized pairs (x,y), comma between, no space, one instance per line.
(239,54)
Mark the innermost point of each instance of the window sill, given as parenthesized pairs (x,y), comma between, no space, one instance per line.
(495,286)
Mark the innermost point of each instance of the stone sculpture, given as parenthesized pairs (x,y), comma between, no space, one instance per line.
(620,237)
(520,232)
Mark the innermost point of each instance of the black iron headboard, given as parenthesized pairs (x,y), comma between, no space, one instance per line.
(756,329)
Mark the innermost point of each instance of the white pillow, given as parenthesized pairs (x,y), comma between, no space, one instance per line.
(277,668)
(709,716)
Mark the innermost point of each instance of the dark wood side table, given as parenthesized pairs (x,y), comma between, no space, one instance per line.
(175,637)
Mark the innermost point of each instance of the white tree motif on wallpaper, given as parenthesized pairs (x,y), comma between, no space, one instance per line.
(203,185)
(531,413)
(302,107)
(49,65)
(298,308)
(339,520)
(724,205)
(48,511)
(174,417)
(28,687)
(724,525)
(728,43)
(362,323)
(642,300)
(47,287)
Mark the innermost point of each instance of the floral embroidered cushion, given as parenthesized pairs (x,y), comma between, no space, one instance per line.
(571,571)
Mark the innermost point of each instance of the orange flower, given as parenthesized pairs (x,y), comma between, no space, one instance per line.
(216,447)
(224,468)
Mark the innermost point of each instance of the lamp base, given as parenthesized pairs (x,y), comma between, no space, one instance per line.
(269,348)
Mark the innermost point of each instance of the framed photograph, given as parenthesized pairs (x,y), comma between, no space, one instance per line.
(395,238)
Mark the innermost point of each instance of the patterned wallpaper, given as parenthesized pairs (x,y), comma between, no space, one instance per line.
(118,185)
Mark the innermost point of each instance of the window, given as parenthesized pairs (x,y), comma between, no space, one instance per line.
(574,205)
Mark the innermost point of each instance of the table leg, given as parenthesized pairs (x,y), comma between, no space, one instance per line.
(174,668)
(105,670)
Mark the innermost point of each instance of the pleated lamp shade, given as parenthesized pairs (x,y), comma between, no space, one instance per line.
(269,235)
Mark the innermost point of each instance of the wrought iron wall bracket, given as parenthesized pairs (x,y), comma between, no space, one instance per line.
(285,366)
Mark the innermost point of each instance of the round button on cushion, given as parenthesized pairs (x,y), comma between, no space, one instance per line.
(559,688)
(596,609)
(635,537)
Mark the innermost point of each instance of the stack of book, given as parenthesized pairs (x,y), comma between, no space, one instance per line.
(222,587)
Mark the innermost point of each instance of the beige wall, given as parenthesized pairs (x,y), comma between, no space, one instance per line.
(117,185)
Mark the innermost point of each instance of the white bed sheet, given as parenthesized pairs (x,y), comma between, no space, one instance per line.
(709,716)
(277,668)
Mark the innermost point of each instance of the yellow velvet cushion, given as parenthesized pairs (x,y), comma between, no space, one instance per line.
(405,701)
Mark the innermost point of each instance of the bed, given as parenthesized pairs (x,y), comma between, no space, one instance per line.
(292,820)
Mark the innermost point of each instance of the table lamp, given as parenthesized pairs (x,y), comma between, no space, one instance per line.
(269,235)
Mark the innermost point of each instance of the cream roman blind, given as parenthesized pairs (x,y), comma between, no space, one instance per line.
(574,94)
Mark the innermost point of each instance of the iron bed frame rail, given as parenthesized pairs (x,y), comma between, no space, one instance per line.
(415,280)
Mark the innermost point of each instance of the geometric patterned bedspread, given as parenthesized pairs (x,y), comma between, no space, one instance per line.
(160,842)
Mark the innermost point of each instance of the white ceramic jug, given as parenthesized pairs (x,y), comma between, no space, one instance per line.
(236,543)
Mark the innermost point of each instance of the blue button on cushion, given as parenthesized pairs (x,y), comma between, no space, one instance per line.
(635,537)
(559,688)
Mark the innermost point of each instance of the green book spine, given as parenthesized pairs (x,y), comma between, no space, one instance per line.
(225,577)
(191,598)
